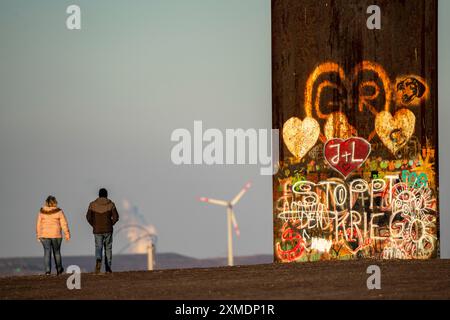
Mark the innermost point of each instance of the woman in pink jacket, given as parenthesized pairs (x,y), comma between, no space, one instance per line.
(50,222)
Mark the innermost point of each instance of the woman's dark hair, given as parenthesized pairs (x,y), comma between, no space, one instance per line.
(103,193)
(51,201)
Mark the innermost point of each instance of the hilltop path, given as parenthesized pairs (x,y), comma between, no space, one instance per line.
(317,280)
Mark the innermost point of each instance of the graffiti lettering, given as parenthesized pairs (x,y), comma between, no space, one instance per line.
(386,216)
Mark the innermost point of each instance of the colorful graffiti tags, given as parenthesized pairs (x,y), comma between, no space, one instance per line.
(358,175)
(362,218)
(393,130)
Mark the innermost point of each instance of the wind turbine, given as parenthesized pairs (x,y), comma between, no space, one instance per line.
(231,218)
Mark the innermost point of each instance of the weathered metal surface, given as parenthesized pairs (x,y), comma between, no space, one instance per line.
(334,79)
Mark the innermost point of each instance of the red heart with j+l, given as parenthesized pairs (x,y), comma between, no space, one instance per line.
(345,156)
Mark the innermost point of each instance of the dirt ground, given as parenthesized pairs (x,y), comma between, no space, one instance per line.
(317,280)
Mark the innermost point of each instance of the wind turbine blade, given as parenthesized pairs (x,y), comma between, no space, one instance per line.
(235,224)
(240,194)
(214,201)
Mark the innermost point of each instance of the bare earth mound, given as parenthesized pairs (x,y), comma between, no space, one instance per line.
(318,280)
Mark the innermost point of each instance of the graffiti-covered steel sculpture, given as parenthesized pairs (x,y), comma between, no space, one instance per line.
(357,109)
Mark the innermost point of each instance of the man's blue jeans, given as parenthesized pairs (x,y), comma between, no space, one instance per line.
(104,240)
(52,245)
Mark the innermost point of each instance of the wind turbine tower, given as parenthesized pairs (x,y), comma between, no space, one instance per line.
(231,218)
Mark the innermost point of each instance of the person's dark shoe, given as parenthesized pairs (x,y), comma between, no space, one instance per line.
(60,272)
(108,270)
(98,266)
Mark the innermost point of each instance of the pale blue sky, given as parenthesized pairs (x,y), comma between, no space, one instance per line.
(82,109)
(96,107)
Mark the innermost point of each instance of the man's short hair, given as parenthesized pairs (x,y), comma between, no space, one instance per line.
(103,193)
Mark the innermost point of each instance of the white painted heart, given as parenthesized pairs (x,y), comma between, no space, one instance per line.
(300,136)
(395,131)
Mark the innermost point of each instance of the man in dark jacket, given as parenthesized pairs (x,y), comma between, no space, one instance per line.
(102,215)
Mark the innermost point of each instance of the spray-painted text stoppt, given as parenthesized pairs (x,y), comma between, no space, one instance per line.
(357,108)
